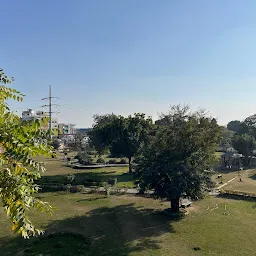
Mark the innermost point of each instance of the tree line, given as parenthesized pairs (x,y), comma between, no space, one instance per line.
(170,156)
(241,135)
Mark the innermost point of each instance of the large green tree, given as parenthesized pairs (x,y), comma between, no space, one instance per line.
(234,125)
(123,136)
(225,139)
(174,162)
(103,132)
(20,143)
(244,144)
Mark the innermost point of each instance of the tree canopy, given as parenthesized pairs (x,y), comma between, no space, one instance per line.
(244,144)
(234,126)
(20,143)
(123,136)
(175,160)
(225,139)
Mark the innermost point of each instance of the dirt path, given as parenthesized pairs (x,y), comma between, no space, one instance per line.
(225,184)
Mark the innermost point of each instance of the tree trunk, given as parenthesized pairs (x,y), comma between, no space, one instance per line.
(247,161)
(250,161)
(130,164)
(175,204)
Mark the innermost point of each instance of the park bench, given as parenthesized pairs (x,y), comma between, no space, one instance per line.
(184,203)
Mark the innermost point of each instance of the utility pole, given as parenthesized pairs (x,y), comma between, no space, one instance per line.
(49,105)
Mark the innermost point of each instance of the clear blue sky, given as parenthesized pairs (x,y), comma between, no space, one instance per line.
(127,56)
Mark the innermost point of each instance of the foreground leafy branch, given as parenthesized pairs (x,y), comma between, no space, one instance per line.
(19,144)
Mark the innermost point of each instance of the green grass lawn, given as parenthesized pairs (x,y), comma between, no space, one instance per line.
(226,176)
(248,183)
(56,171)
(135,226)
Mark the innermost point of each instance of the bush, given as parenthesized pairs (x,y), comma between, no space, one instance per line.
(123,161)
(55,143)
(80,188)
(67,188)
(74,189)
(70,178)
(100,161)
(238,193)
(84,158)
(112,161)
(112,181)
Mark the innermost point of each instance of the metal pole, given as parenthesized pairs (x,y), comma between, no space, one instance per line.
(50,109)
(49,99)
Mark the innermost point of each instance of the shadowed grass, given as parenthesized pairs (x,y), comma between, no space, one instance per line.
(135,226)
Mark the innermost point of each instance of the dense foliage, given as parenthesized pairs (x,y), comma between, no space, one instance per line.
(123,136)
(234,125)
(20,143)
(225,139)
(244,144)
(174,162)
(84,158)
(55,143)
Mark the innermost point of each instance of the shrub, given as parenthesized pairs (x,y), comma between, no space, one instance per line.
(84,158)
(74,189)
(70,178)
(55,143)
(112,161)
(68,188)
(107,190)
(80,188)
(123,161)
(100,161)
(112,181)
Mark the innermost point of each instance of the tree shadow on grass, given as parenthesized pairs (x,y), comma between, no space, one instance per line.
(91,199)
(118,231)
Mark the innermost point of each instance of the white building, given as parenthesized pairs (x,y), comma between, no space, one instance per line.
(30,114)
(67,129)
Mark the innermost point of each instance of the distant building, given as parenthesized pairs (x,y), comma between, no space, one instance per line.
(29,115)
(66,129)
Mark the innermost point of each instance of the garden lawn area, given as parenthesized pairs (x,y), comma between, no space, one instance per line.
(226,176)
(248,183)
(56,171)
(135,226)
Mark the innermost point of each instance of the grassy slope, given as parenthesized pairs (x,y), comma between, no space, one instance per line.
(248,183)
(123,225)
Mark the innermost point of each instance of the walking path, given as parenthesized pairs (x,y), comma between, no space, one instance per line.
(225,184)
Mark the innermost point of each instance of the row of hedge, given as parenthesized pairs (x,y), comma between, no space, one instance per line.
(86,182)
(85,158)
(61,187)
(243,195)
(81,188)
